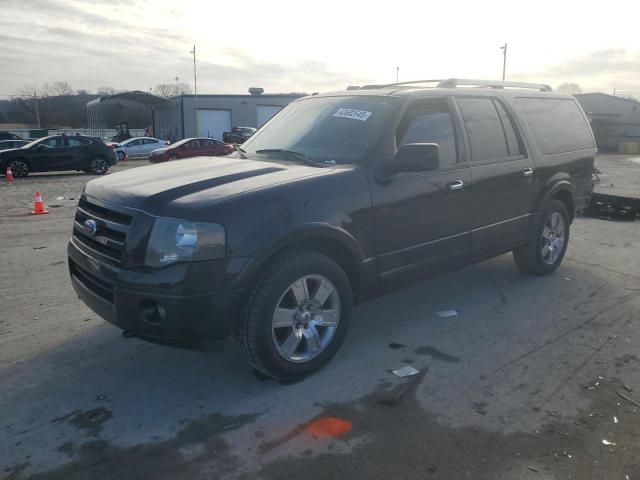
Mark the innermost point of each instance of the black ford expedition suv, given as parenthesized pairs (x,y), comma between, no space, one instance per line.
(340,197)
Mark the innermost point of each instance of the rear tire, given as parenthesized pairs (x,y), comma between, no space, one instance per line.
(296,315)
(545,251)
(98,166)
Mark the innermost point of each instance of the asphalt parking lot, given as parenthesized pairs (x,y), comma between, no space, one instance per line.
(528,381)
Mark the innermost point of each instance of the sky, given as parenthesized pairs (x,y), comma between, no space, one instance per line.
(314,46)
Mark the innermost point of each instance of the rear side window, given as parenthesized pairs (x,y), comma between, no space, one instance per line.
(484,127)
(557,124)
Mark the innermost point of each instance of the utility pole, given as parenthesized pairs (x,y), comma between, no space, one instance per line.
(397,74)
(195,88)
(504,61)
(35,96)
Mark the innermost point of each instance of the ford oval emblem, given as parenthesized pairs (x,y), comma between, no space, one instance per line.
(90,227)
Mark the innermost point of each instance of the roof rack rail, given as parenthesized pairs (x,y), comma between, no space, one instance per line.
(457,82)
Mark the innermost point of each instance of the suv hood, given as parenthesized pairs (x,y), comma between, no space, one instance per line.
(180,188)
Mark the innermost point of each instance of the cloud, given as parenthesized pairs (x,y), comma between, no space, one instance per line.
(601,70)
(93,48)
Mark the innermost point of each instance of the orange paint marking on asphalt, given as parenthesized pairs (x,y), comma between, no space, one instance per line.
(324,427)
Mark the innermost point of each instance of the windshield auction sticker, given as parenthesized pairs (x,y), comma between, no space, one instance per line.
(352,113)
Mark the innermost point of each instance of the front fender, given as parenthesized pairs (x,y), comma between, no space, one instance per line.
(313,230)
(246,268)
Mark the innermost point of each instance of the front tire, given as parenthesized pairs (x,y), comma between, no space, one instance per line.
(120,155)
(296,315)
(98,165)
(545,251)
(19,168)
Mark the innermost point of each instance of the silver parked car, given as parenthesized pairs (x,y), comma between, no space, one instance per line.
(139,147)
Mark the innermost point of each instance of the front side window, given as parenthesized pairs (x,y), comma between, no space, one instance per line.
(486,135)
(72,142)
(52,142)
(430,121)
(328,130)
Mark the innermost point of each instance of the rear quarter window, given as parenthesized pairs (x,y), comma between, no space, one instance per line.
(557,124)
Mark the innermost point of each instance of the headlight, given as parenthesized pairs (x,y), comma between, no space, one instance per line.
(174,240)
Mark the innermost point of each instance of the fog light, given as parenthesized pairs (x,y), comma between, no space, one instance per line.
(151,312)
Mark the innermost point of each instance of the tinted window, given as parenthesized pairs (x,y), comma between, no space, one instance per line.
(51,142)
(73,142)
(430,122)
(509,130)
(486,136)
(557,124)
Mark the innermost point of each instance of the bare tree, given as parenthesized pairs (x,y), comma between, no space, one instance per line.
(167,90)
(570,88)
(106,91)
(58,89)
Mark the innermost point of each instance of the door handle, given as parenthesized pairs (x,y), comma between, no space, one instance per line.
(455,185)
(527,172)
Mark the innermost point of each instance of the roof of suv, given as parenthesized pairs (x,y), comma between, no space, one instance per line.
(452,86)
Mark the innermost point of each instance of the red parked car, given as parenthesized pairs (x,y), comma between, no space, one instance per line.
(191,147)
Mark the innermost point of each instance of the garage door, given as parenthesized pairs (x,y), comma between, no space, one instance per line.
(265,112)
(212,123)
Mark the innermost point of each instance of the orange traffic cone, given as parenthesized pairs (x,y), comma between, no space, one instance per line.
(9,175)
(38,206)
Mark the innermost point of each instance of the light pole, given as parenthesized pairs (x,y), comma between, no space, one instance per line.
(195,88)
(397,74)
(504,60)
(35,97)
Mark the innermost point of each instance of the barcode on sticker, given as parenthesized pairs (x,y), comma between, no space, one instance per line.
(361,115)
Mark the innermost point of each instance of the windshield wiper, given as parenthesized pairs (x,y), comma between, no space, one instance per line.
(291,154)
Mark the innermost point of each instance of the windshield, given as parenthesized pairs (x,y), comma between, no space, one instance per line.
(324,129)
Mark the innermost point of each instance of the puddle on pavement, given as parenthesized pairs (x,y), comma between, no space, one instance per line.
(404,441)
(199,445)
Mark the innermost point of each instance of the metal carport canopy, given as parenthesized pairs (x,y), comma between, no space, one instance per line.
(94,110)
(137,96)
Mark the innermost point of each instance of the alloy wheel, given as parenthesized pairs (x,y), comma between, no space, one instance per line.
(306,318)
(99,165)
(19,168)
(553,238)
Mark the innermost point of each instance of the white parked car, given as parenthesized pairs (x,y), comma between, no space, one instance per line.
(139,147)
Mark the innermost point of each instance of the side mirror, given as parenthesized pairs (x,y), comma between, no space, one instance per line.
(417,157)
(40,147)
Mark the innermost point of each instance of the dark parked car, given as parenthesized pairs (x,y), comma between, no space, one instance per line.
(8,144)
(191,147)
(9,136)
(339,198)
(59,152)
(238,134)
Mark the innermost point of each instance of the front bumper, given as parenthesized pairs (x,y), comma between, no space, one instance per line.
(166,305)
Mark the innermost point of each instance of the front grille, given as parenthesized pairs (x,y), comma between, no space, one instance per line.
(99,287)
(109,239)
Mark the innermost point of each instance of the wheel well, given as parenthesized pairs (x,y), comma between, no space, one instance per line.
(565,197)
(333,249)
